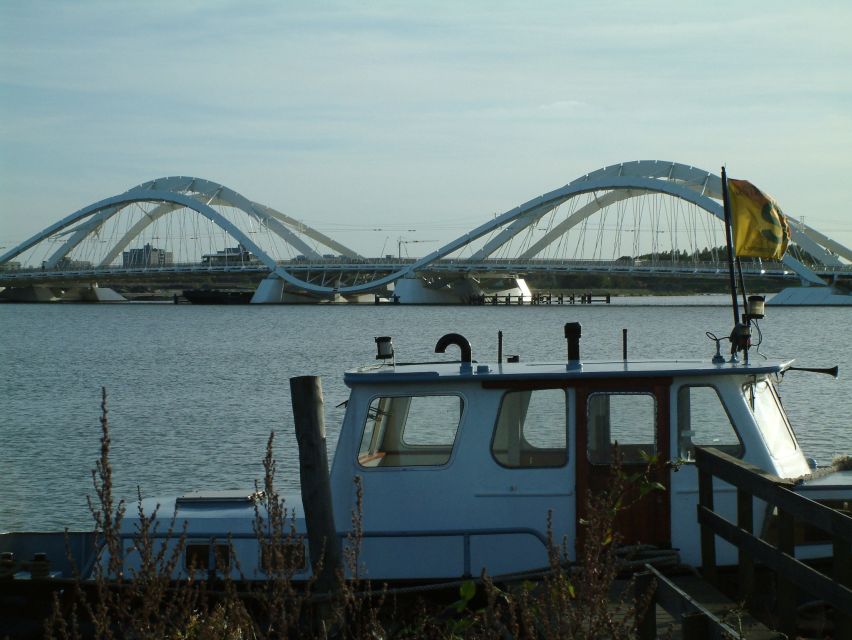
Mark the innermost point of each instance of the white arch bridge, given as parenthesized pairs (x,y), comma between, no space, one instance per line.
(638,217)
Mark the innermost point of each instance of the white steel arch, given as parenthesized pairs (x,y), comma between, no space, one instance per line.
(631,179)
(616,182)
(115,202)
(220,194)
(204,191)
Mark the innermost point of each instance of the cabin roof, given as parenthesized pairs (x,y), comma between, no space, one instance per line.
(454,371)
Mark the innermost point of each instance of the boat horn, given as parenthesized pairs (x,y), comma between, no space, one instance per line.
(832,371)
(457,339)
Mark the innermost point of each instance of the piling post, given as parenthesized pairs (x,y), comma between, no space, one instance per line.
(695,625)
(786,596)
(306,394)
(745,563)
(842,575)
(708,539)
(646,620)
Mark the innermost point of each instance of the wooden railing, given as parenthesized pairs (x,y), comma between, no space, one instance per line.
(791,574)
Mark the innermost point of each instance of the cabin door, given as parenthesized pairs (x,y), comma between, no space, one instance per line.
(634,414)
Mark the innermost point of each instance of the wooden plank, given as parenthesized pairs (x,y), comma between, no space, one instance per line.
(815,514)
(735,471)
(686,595)
(775,490)
(802,575)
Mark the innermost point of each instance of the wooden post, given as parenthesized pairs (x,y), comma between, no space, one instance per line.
(695,625)
(646,623)
(786,587)
(745,521)
(708,539)
(306,394)
(843,575)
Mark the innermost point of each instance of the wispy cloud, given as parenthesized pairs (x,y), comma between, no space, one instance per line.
(448,108)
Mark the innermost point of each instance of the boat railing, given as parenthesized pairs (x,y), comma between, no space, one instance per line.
(791,508)
(217,538)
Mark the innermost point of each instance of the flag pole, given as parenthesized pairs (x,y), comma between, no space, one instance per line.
(742,288)
(730,243)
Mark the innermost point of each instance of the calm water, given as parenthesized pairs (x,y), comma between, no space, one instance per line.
(194,391)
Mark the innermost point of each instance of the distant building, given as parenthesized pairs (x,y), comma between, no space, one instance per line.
(67,264)
(147,256)
(10,266)
(229,256)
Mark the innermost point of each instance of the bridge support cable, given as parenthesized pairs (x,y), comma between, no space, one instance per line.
(664,199)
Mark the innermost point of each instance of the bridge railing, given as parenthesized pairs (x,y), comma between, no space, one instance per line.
(389,264)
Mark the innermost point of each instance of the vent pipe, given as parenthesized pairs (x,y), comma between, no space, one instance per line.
(457,339)
(572,335)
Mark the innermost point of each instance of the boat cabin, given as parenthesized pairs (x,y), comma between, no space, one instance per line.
(463,463)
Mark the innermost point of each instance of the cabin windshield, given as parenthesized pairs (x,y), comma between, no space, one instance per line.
(703,419)
(770,418)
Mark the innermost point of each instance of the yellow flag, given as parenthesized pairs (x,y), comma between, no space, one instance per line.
(760,227)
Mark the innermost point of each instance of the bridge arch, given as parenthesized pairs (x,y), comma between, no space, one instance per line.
(622,181)
(172,194)
(610,185)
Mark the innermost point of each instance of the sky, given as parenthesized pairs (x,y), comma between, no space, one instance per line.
(367,119)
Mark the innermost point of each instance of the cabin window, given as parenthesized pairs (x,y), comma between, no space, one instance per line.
(702,420)
(531,429)
(629,419)
(203,557)
(770,418)
(410,431)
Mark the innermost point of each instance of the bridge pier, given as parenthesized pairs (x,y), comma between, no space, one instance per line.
(36,293)
(269,291)
(811,296)
(412,290)
(92,293)
(31,294)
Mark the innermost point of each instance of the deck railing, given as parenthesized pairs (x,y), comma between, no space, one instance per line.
(791,573)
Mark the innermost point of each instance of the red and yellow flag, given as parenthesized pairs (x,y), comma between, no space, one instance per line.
(760,227)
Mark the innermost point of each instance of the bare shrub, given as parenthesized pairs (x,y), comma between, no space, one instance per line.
(120,602)
(570,600)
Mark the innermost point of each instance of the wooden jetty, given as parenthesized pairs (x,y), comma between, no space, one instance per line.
(542,299)
(767,576)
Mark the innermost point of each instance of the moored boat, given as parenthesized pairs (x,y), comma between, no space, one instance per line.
(461,465)
(217,296)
